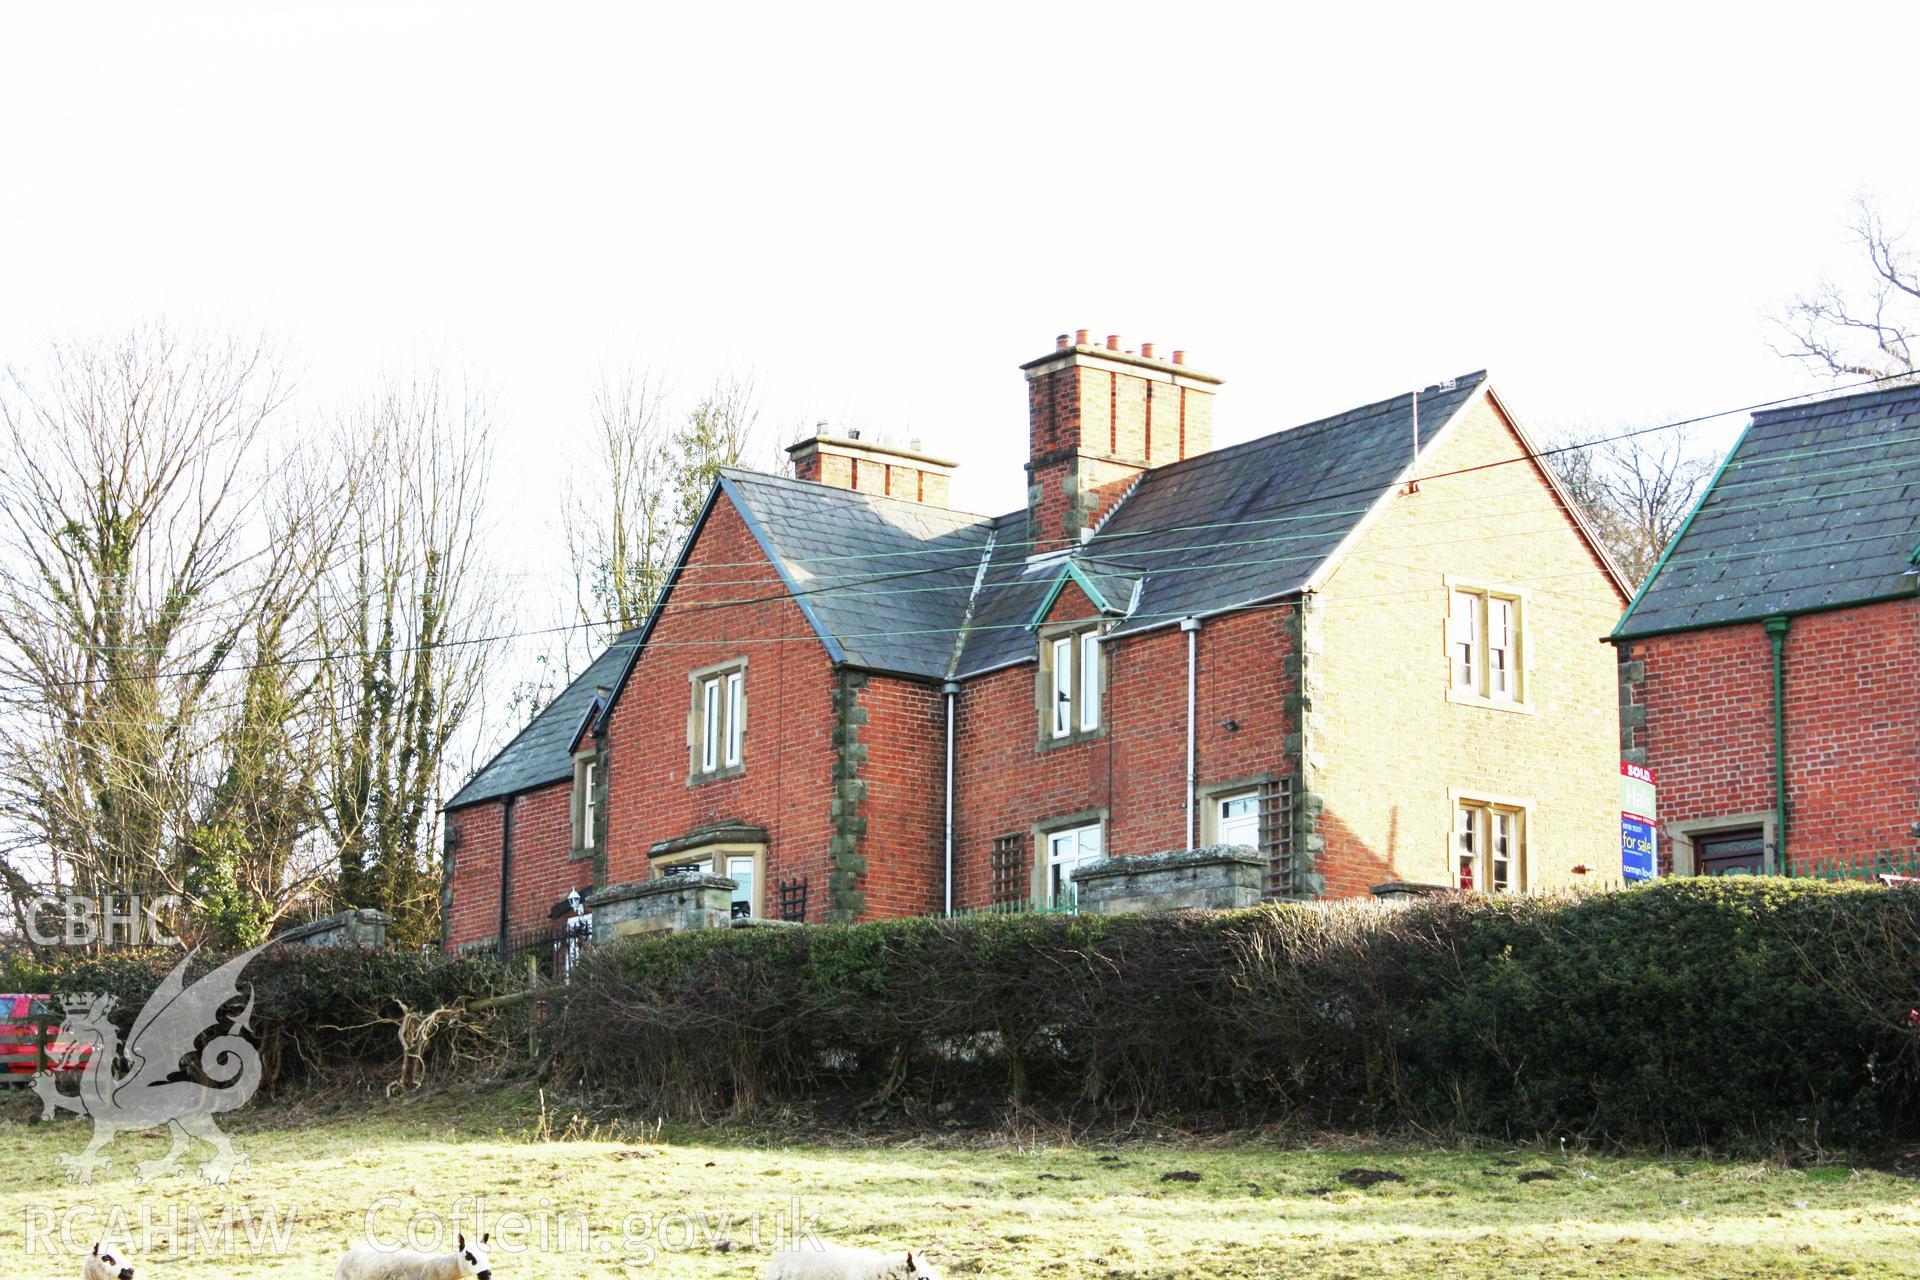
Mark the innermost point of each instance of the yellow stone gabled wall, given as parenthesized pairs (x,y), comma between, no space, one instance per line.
(1390,747)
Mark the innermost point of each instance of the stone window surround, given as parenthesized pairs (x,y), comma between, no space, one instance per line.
(1043,685)
(718,852)
(589,758)
(1680,835)
(696,722)
(1211,793)
(1522,702)
(1458,796)
(1039,832)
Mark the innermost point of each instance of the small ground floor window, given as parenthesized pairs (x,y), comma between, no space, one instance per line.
(1067,849)
(741,868)
(1489,847)
(1236,819)
(1738,852)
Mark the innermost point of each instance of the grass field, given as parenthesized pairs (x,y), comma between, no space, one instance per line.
(607,1202)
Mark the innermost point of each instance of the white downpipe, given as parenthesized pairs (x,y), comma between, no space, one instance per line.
(1192,627)
(952,691)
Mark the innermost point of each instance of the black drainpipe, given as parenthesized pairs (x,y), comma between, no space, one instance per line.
(1776,628)
(506,872)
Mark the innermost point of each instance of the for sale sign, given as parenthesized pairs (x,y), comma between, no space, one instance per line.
(1639,848)
(1639,843)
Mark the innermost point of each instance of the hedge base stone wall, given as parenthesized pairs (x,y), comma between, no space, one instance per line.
(667,904)
(1215,878)
(365,927)
(1400,893)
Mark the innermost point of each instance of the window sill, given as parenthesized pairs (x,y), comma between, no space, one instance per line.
(580,853)
(717,775)
(1048,742)
(1490,704)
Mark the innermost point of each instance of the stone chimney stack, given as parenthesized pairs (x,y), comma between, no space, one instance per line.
(1098,416)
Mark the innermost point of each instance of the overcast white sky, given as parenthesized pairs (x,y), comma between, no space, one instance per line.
(884,210)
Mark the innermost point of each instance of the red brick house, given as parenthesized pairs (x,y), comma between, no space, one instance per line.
(1770,666)
(1365,646)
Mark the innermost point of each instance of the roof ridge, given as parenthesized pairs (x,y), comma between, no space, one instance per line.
(1895,391)
(1344,418)
(833,490)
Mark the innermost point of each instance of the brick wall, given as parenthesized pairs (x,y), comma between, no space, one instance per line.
(1704,704)
(1392,746)
(1136,769)
(473,914)
(1713,693)
(903,805)
(542,871)
(786,785)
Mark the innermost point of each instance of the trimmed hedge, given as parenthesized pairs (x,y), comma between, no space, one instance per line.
(1687,1013)
(318,1011)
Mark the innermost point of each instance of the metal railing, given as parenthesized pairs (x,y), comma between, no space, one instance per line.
(549,951)
(1872,866)
(1020,907)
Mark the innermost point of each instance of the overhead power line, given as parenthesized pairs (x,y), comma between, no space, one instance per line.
(969,556)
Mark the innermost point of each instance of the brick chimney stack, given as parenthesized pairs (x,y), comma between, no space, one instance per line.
(1099,415)
(867,466)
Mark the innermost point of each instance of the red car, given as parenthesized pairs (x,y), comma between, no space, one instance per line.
(21,1020)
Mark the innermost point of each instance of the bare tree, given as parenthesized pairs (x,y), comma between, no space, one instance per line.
(1635,492)
(255,855)
(635,497)
(403,622)
(620,523)
(154,562)
(716,433)
(1868,329)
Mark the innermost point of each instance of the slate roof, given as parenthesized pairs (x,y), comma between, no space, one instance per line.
(1255,521)
(1818,505)
(542,752)
(891,585)
(884,581)
(897,586)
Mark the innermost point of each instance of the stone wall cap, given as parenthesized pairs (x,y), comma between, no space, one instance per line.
(826,442)
(338,920)
(1212,855)
(657,886)
(1409,887)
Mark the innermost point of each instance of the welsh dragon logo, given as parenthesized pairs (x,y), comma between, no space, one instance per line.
(158,1086)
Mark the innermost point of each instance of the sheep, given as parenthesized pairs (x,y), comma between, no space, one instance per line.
(832,1262)
(103,1265)
(466,1262)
